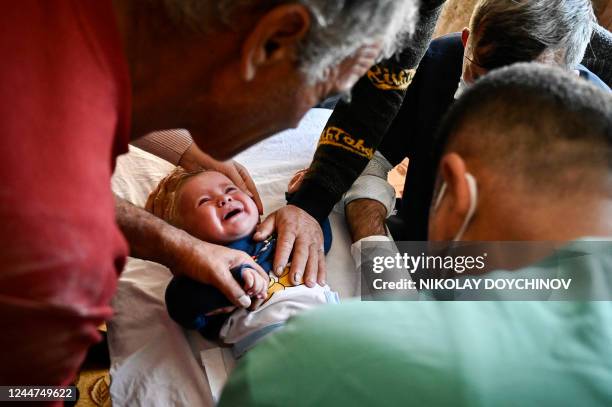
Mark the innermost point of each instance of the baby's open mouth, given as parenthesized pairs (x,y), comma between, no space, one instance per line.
(232,213)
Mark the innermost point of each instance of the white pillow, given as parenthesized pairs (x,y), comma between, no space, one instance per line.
(137,173)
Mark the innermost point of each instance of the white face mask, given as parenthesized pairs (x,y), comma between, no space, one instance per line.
(461,88)
(473,187)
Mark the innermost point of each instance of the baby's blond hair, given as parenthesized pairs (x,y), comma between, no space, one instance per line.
(163,199)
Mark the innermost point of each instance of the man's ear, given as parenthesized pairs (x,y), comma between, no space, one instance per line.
(274,37)
(448,217)
(465,36)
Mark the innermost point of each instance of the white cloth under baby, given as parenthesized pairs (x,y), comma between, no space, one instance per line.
(245,328)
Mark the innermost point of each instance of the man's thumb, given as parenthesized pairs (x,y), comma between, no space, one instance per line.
(265,229)
(235,293)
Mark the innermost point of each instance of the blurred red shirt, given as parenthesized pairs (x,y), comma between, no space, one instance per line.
(64,118)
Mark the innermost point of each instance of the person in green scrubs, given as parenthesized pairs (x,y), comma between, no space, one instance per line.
(526,158)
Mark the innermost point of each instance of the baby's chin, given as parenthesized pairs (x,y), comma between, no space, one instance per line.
(232,237)
(224,237)
(248,232)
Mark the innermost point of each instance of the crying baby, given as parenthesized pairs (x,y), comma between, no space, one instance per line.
(207,205)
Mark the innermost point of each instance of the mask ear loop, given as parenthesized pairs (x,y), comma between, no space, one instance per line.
(473,203)
(440,196)
(473,191)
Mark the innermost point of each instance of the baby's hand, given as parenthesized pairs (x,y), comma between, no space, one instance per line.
(255,285)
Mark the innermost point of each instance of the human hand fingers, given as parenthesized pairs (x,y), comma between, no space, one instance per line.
(266,282)
(266,228)
(284,247)
(249,186)
(249,281)
(223,279)
(370,51)
(296,181)
(312,265)
(298,261)
(245,259)
(210,264)
(258,285)
(256,304)
(230,170)
(226,283)
(322,270)
(236,172)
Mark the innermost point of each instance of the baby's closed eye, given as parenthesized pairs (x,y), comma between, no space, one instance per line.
(203,200)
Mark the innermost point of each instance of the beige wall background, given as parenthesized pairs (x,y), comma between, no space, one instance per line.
(455,15)
(603,9)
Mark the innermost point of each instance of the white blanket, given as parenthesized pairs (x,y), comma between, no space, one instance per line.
(154,362)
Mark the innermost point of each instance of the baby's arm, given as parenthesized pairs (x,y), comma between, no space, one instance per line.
(195,305)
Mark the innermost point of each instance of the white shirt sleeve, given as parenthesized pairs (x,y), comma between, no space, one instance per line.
(372,184)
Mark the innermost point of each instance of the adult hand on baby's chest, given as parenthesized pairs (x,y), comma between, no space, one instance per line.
(299,236)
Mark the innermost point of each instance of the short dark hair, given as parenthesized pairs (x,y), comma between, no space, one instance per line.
(509,31)
(538,122)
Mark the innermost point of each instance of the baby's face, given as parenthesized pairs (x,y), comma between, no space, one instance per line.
(211,208)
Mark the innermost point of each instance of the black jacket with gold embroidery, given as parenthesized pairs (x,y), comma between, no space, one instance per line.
(356,128)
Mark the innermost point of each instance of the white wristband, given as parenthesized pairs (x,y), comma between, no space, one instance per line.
(372,184)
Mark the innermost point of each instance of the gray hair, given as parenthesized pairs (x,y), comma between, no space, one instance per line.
(339,27)
(509,31)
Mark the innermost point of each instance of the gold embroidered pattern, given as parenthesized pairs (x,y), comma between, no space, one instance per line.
(337,137)
(384,79)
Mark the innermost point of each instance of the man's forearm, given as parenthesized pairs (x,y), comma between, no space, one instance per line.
(149,237)
(171,145)
(356,128)
(365,217)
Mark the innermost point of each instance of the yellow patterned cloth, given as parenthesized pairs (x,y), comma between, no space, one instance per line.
(94,388)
